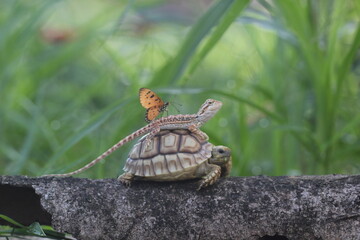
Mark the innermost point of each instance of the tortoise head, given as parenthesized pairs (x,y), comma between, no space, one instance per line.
(208,110)
(221,156)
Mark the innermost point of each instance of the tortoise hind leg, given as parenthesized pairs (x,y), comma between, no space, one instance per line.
(211,177)
(126,178)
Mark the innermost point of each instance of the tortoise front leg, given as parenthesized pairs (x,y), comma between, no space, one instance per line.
(126,178)
(211,177)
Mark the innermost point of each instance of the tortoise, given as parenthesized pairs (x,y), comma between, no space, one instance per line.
(174,155)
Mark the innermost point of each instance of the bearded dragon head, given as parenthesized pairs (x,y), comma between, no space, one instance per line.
(208,110)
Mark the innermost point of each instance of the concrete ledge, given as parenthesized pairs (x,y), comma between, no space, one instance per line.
(306,207)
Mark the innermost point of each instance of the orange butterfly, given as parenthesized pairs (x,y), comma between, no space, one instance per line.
(152,102)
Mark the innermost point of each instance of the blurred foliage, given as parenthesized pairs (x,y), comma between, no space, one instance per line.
(287,72)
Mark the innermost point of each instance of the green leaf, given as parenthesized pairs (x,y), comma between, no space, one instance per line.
(229,17)
(348,60)
(10,220)
(36,229)
(173,70)
(90,126)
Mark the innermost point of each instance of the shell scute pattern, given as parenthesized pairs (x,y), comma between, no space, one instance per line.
(173,162)
(160,165)
(169,143)
(151,151)
(188,144)
(139,170)
(170,152)
(135,154)
(148,170)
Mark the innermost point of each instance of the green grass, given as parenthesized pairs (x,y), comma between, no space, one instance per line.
(287,73)
(34,230)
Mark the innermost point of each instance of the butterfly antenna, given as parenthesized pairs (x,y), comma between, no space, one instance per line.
(178,104)
(166,109)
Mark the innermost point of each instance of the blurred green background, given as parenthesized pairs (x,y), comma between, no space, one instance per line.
(287,72)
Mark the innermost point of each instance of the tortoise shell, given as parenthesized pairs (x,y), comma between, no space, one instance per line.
(171,155)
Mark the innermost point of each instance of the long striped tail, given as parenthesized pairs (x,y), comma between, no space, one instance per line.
(136,134)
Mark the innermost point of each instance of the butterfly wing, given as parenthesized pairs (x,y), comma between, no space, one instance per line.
(153,103)
(152,113)
(149,99)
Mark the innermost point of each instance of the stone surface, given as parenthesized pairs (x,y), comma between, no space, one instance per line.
(306,207)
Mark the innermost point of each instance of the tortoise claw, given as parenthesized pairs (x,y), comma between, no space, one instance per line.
(126,183)
(210,178)
(126,179)
(201,185)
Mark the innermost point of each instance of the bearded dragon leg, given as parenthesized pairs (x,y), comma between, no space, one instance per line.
(195,130)
(149,138)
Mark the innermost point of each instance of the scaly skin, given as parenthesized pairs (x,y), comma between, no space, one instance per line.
(218,165)
(191,122)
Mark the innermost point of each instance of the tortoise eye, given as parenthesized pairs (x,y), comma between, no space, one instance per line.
(221,151)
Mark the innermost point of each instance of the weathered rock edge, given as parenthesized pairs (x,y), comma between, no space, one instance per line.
(306,207)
